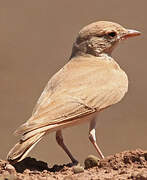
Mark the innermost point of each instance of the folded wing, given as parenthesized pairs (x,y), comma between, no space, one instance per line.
(81,87)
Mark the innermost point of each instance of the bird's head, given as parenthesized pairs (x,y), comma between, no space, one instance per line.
(100,37)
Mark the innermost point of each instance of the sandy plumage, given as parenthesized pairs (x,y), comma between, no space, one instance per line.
(88,83)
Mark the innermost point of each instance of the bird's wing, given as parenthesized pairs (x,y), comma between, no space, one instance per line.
(81,87)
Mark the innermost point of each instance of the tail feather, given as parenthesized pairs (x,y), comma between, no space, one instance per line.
(39,130)
(22,148)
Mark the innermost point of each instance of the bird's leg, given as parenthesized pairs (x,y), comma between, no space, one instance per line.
(92,137)
(60,141)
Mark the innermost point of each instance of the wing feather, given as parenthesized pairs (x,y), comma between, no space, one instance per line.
(81,87)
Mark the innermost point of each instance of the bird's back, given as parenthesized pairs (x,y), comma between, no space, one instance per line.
(82,86)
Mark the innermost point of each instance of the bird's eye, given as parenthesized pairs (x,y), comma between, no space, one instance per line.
(112,34)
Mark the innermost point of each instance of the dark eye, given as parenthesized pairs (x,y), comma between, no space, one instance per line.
(112,34)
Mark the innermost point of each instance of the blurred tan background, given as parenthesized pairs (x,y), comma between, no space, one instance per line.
(35,41)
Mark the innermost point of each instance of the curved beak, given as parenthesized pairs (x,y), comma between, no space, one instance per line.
(130,33)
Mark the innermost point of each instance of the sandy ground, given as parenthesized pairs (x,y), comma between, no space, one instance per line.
(121,166)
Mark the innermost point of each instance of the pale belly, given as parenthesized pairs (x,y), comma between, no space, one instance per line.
(74,122)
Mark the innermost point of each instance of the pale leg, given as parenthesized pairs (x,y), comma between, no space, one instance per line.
(92,137)
(60,141)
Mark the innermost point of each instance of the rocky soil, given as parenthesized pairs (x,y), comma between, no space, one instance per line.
(121,166)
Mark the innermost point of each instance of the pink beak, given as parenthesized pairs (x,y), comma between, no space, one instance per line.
(131,33)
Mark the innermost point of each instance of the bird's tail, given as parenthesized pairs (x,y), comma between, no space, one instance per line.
(22,148)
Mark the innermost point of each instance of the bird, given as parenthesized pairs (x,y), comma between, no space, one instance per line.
(88,83)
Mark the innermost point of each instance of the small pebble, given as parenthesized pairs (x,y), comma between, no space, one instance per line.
(78,169)
(10,168)
(91,161)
